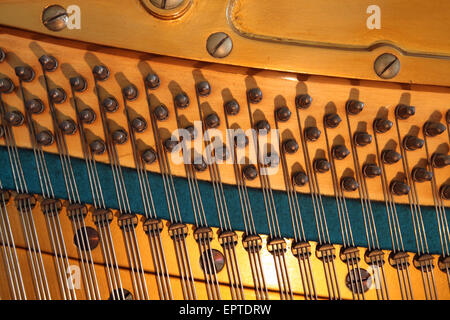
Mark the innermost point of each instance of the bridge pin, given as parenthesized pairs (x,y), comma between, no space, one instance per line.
(203,88)
(192,131)
(283,114)
(2,55)
(412,143)
(321,165)
(362,139)
(232,107)
(110,104)
(300,178)
(14,118)
(444,191)
(6,85)
(432,129)
(250,172)
(440,160)
(45,138)
(139,124)
(312,133)
(371,170)
(421,174)
(97,146)
(49,63)
(181,100)
(152,81)
(340,152)
(68,126)
(382,125)
(332,120)
(354,107)
(171,145)
(349,184)
(390,156)
(120,136)
(149,156)
(35,106)
(303,101)
(25,73)
(212,120)
(399,188)
(161,112)
(78,83)
(263,127)
(254,95)
(101,73)
(403,111)
(57,95)
(2,132)
(290,146)
(200,164)
(88,115)
(241,140)
(447,116)
(222,153)
(130,92)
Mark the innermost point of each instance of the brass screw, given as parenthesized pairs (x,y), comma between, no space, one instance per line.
(55,18)
(167,4)
(387,66)
(219,45)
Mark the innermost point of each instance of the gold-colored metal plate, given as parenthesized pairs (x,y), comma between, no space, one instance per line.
(416,32)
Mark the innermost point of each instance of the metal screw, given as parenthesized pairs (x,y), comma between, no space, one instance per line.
(219,45)
(55,18)
(167,4)
(387,66)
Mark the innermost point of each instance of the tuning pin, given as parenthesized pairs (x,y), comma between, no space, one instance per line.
(120,136)
(340,152)
(192,132)
(399,188)
(354,106)
(35,106)
(170,144)
(403,111)
(421,174)
(321,165)
(152,81)
(371,170)
(222,153)
(203,88)
(440,160)
(161,112)
(78,83)
(362,139)
(45,138)
(390,156)
(57,95)
(283,114)
(332,120)
(312,133)
(232,107)
(2,55)
(101,73)
(97,146)
(349,184)
(130,92)
(444,191)
(68,126)
(25,73)
(412,143)
(212,120)
(303,101)
(139,124)
(300,178)
(263,127)
(6,85)
(250,172)
(181,100)
(382,125)
(241,140)
(14,118)
(149,156)
(110,104)
(88,115)
(200,164)
(49,63)
(255,95)
(290,146)
(432,129)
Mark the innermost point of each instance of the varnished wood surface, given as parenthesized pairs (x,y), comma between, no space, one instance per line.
(279,89)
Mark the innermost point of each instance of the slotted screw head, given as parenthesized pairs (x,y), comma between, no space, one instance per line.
(387,66)
(55,18)
(219,45)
